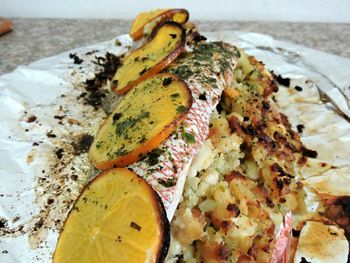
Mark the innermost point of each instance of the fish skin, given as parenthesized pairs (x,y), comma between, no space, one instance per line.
(174,163)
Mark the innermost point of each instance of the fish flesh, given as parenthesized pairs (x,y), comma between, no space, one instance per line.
(207,69)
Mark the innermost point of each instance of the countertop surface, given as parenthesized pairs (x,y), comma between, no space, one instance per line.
(33,39)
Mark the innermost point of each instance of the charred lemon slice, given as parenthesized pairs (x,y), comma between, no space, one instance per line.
(165,45)
(143,119)
(117,218)
(145,22)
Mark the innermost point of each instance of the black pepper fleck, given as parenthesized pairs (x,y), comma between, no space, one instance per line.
(300,128)
(135,226)
(59,153)
(298,88)
(31,119)
(283,81)
(167,81)
(203,96)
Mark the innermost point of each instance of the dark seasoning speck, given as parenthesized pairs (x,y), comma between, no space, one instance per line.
(94,92)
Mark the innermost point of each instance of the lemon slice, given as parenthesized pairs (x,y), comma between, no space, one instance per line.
(117,218)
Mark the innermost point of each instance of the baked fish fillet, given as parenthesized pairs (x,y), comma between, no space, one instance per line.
(208,70)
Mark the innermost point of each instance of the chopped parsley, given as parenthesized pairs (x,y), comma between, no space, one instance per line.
(170,182)
(181,109)
(153,156)
(188,137)
(122,126)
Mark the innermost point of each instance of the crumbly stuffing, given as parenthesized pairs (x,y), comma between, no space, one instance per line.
(244,180)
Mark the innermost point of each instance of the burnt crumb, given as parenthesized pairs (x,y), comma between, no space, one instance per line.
(91,52)
(345,203)
(295,233)
(143,71)
(100,60)
(277,168)
(202,96)
(14,220)
(197,38)
(298,88)
(82,144)
(234,209)
(250,130)
(50,201)
(269,202)
(302,160)
(3,223)
(225,226)
(31,119)
(222,252)
(287,180)
(58,117)
(172,35)
(74,177)
(94,92)
(300,128)
(38,224)
(308,153)
(167,81)
(50,134)
(282,200)
(35,144)
(117,116)
(82,95)
(279,183)
(135,226)
(219,108)
(266,105)
(303,260)
(283,81)
(59,153)
(76,59)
